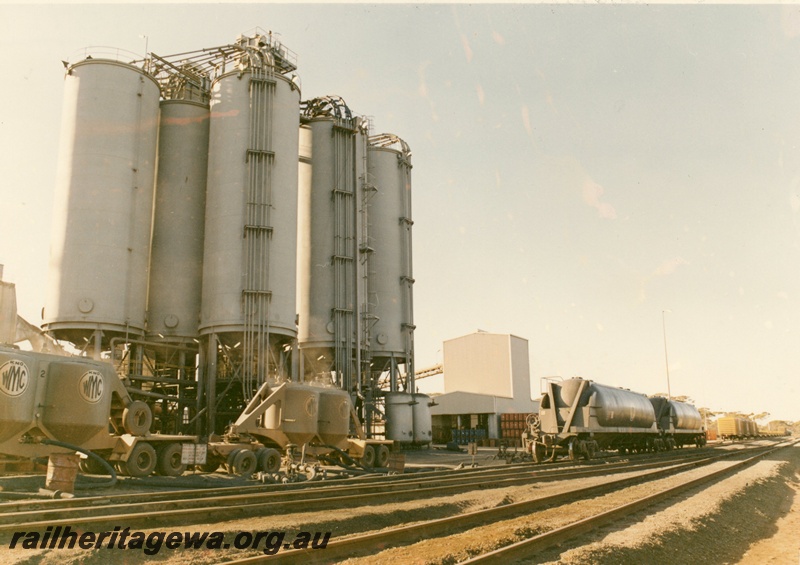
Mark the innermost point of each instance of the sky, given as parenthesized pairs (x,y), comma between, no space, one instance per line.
(597,179)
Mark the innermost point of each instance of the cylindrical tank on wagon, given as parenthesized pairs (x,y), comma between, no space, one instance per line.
(566,391)
(390,224)
(327,230)
(251,197)
(77,399)
(18,384)
(421,414)
(334,415)
(297,415)
(100,246)
(616,407)
(685,416)
(176,265)
(399,417)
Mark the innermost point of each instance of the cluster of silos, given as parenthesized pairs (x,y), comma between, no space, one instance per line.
(175,219)
(333,146)
(183,219)
(115,128)
(354,254)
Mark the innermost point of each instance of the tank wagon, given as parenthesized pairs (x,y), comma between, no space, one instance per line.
(578,417)
(678,423)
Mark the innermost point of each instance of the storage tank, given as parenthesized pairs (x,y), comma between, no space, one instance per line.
(249,265)
(334,416)
(616,407)
(685,416)
(331,157)
(176,265)
(82,393)
(17,391)
(390,262)
(421,413)
(103,202)
(296,416)
(399,417)
(680,415)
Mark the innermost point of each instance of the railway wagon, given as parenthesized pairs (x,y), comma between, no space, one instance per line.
(579,417)
(766,432)
(736,427)
(678,423)
(58,404)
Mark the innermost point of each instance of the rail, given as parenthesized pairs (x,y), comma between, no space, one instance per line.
(365,544)
(186,506)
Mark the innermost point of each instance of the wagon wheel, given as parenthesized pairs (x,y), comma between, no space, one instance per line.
(269,460)
(243,463)
(368,459)
(574,449)
(382,456)
(169,460)
(539,452)
(141,462)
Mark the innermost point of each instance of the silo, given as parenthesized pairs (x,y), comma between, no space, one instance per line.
(423,428)
(104,200)
(391,278)
(400,417)
(249,265)
(176,264)
(332,163)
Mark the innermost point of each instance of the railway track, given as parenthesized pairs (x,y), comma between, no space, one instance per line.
(526,547)
(365,544)
(187,507)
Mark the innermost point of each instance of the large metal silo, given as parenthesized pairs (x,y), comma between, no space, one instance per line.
(176,264)
(391,281)
(332,166)
(249,266)
(103,206)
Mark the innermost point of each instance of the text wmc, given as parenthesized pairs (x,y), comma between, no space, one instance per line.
(92,385)
(15,379)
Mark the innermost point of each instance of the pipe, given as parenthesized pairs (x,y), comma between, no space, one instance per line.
(88,453)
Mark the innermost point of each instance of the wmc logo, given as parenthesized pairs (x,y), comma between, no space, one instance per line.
(91,386)
(13,377)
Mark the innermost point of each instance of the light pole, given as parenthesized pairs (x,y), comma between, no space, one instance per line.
(666,358)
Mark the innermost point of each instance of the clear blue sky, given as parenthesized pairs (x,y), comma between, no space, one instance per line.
(577,170)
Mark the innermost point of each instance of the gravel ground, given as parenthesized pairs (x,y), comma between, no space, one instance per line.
(752,518)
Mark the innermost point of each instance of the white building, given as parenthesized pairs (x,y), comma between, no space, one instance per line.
(485,375)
